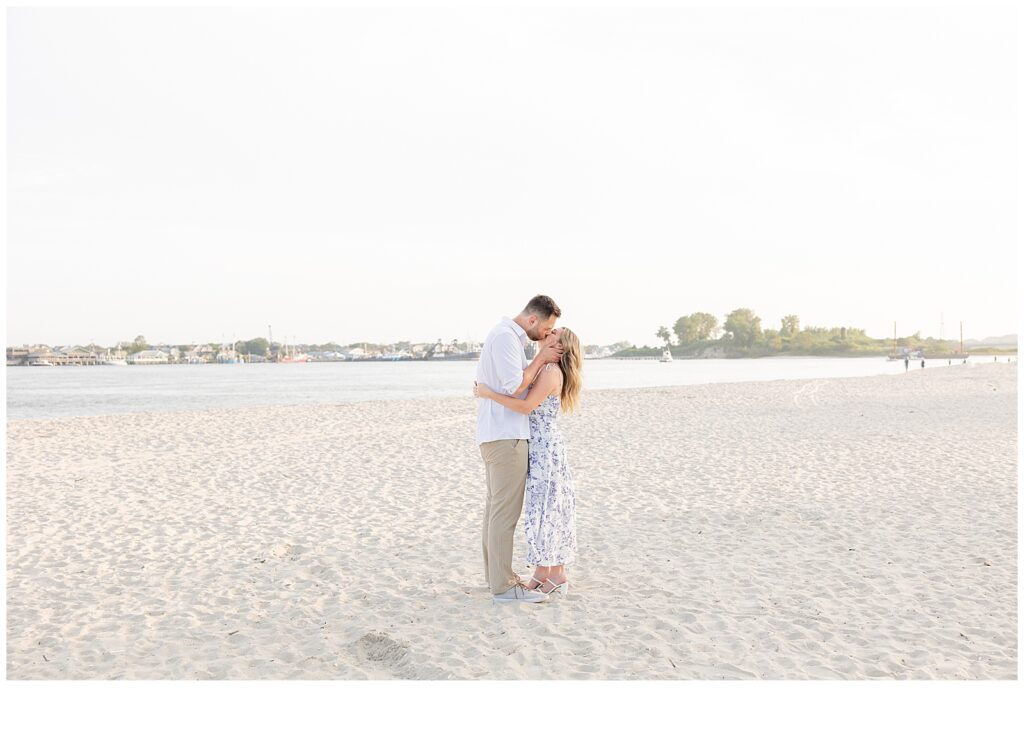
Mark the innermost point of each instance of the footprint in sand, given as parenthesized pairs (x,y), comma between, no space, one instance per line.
(380,649)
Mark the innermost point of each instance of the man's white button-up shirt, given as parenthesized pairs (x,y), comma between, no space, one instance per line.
(502,361)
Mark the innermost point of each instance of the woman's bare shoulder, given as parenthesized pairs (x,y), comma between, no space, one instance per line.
(552,376)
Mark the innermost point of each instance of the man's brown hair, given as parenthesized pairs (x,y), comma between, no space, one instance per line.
(543,307)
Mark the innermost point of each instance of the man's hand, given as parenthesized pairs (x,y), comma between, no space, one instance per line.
(551,354)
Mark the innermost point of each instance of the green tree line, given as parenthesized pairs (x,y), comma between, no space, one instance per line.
(741,334)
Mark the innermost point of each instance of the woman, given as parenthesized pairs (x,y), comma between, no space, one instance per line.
(550,503)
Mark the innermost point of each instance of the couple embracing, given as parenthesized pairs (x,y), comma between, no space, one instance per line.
(523,452)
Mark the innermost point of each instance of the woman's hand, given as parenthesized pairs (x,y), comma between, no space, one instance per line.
(481,391)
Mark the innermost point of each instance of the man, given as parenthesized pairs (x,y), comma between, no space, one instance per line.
(504,436)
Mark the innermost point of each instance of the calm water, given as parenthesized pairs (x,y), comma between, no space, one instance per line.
(46,392)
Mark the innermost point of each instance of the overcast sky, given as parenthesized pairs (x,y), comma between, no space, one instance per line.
(356,175)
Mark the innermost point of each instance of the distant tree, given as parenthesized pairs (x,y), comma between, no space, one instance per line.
(790,326)
(665,335)
(685,330)
(705,325)
(744,326)
(696,327)
(137,345)
(259,346)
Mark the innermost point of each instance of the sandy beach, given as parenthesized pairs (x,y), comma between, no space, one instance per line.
(797,529)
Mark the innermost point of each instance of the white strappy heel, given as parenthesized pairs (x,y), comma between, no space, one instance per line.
(557,589)
(537,588)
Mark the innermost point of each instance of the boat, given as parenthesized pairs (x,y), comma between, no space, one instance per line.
(457,356)
(905,354)
(115,358)
(666,356)
(290,358)
(41,362)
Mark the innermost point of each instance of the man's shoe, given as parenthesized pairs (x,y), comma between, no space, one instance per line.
(518,593)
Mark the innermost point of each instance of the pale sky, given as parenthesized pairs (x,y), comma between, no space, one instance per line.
(349,175)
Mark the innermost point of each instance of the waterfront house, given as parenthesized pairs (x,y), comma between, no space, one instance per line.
(17,356)
(173,354)
(150,356)
(45,354)
(203,354)
(81,356)
(65,356)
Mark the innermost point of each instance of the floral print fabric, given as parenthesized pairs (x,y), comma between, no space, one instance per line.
(550,506)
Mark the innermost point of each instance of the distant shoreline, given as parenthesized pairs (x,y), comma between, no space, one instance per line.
(645,356)
(731,354)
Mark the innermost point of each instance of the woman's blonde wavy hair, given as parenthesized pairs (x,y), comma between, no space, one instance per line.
(571,365)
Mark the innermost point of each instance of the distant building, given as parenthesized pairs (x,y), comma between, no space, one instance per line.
(228,356)
(80,356)
(203,354)
(17,356)
(601,352)
(173,353)
(149,356)
(44,354)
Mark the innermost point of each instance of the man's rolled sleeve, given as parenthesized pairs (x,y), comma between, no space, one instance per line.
(508,363)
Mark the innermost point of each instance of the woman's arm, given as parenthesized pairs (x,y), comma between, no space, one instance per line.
(546,382)
(508,355)
(543,358)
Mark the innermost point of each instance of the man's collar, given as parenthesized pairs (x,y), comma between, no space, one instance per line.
(517,328)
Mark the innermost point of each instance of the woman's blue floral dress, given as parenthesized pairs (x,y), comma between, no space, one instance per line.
(550,507)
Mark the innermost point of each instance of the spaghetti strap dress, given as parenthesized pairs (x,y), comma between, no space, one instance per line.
(550,503)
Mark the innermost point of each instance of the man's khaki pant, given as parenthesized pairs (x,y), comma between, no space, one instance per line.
(506,463)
